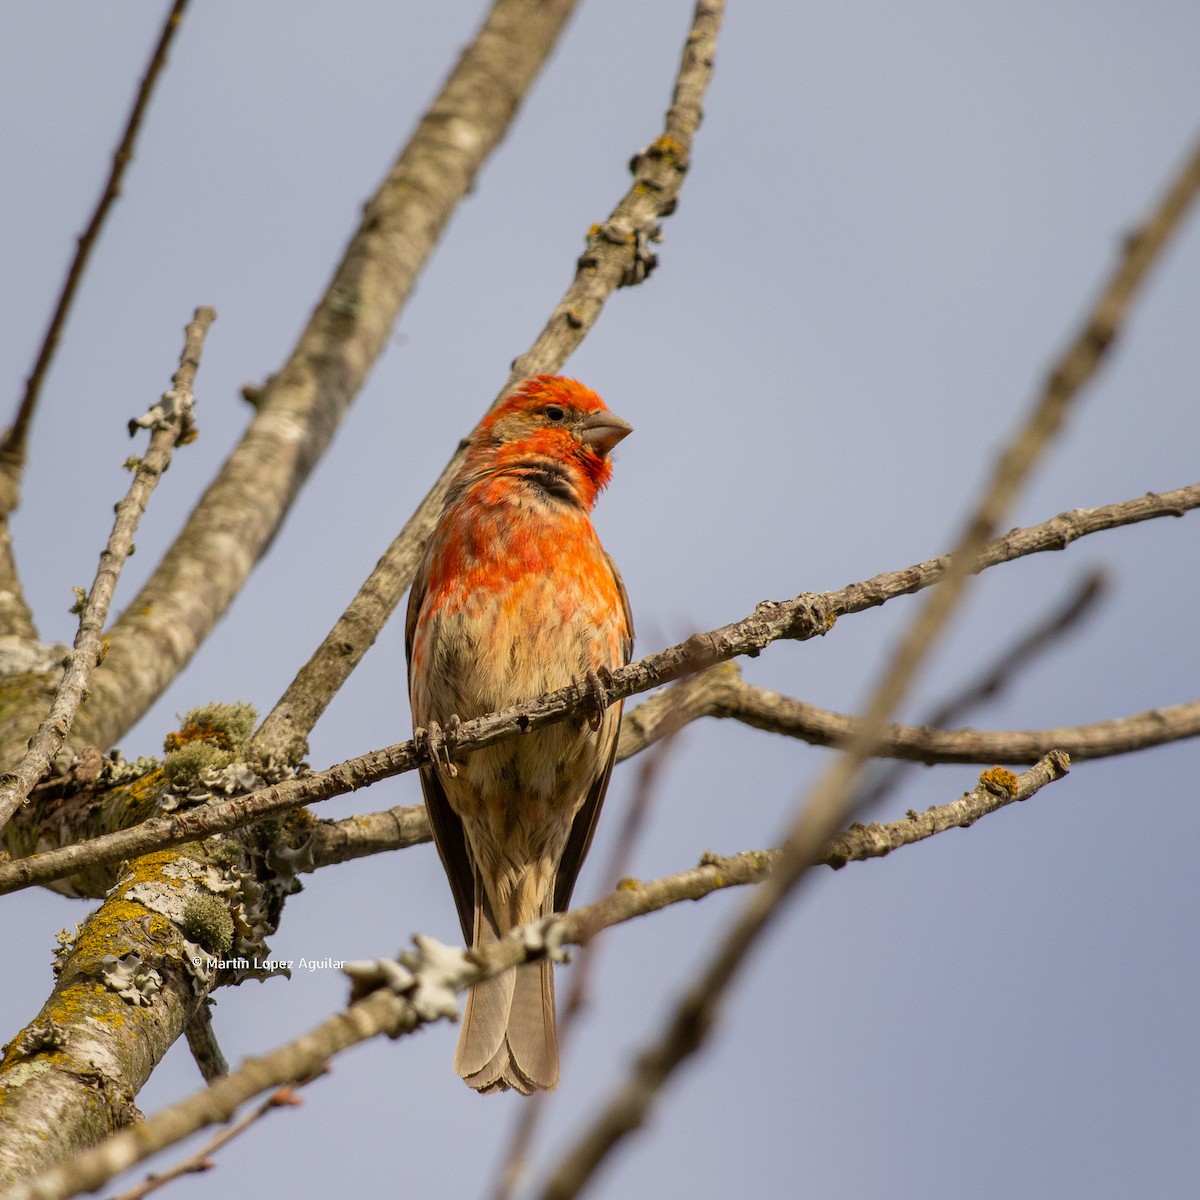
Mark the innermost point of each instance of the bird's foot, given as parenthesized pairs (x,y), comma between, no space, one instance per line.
(594,684)
(440,743)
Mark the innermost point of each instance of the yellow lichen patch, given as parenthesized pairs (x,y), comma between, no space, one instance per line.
(665,146)
(85,1001)
(102,932)
(140,796)
(195,733)
(226,726)
(628,884)
(19,1074)
(999,779)
(117,926)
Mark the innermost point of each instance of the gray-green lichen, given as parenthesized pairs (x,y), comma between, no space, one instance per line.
(285,862)
(232,725)
(199,965)
(117,772)
(133,980)
(66,943)
(41,1035)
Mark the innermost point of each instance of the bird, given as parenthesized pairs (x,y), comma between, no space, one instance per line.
(515,597)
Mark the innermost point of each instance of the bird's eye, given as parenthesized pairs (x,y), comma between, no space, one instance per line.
(554,413)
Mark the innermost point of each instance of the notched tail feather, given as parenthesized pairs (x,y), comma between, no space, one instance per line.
(508,1037)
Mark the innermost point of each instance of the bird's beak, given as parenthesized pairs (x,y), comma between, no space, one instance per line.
(603,430)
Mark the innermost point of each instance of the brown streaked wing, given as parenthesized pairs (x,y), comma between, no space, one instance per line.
(452,849)
(583,827)
(447,829)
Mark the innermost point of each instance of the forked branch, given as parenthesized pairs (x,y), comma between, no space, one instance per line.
(171,422)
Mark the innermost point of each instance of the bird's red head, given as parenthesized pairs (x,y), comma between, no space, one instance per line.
(553,417)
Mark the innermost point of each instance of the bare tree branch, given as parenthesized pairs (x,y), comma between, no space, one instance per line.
(994,678)
(369,833)
(805,616)
(617,255)
(764,709)
(397,1012)
(202,1042)
(15,618)
(997,788)
(299,409)
(201,1160)
(125,990)
(88,651)
(833,797)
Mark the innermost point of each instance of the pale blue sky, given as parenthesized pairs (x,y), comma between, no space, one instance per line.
(896,216)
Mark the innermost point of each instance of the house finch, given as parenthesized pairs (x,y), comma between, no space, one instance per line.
(516,597)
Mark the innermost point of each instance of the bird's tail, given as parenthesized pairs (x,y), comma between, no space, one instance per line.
(508,1037)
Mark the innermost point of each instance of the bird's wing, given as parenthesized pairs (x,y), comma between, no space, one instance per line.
(584,825)
(447,829)
(451,845)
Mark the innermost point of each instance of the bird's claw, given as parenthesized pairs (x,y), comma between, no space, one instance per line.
(440,742)
(593,685)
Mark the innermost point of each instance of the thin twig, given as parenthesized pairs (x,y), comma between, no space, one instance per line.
(997,788)
(617,255)
(386,1011)
(804,617)
(994,679)
(89,641)
(14,611)
(201,1160)
(12,447)
(834,795)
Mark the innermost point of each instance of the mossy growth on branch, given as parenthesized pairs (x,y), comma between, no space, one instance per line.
(206,921)
(213,735)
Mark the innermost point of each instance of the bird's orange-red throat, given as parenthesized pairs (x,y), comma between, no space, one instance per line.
(515,597)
